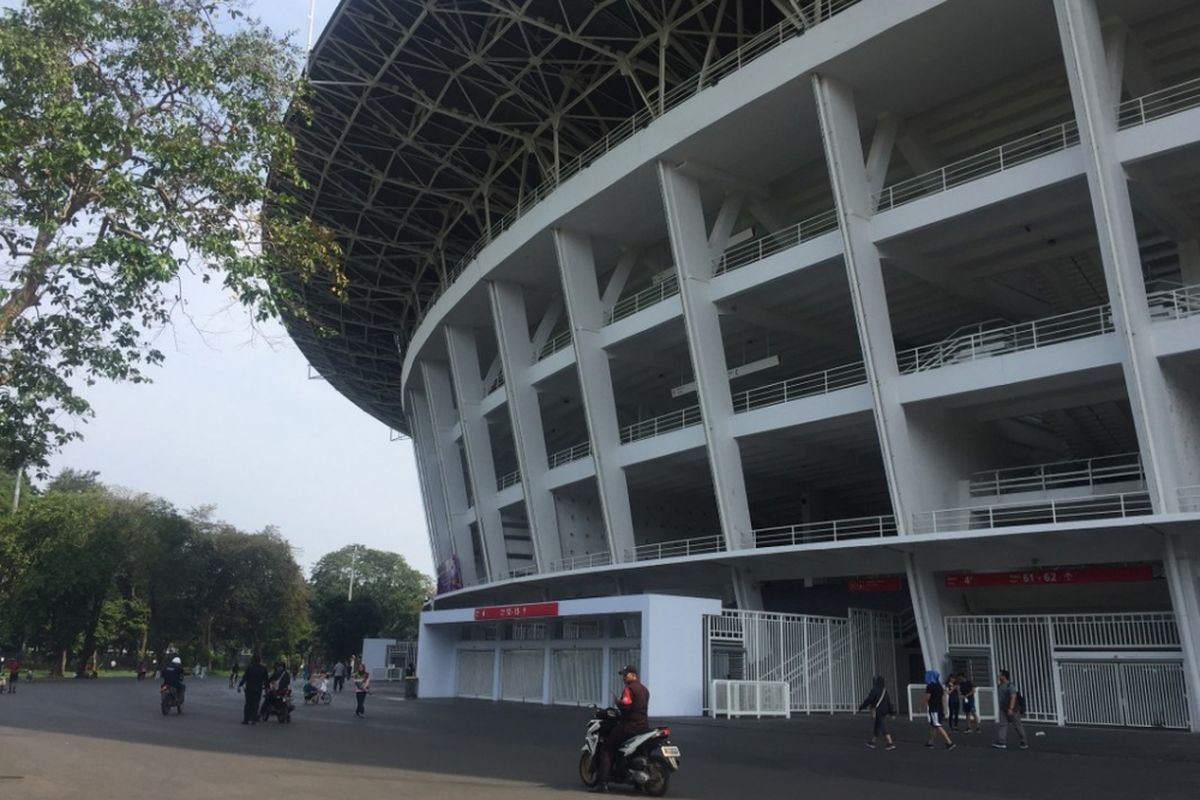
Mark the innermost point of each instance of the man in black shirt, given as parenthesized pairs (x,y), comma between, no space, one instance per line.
(935,693)
(967,690)
(633,705)
(254,678)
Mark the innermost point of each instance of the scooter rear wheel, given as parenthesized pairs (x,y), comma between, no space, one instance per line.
(587,770)
(660,778)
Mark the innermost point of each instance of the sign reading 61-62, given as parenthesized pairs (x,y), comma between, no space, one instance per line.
(517,612)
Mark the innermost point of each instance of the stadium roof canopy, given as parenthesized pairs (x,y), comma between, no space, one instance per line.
(434,119)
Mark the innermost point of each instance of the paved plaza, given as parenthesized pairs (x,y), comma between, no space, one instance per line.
(106,739)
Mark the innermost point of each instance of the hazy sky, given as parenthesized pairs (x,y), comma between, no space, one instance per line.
(233,421)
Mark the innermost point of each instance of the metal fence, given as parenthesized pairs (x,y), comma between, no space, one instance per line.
(1177,303)
(663,423)
(1058,475)
(676,548)
(1162,103)
(553,345)
(510,479)
(651,295)
(1011,339)
(522,675)
(577,676)
(1043,512)
(759,248)
(475,674)
(572,453)
(826,662)
(816,383)
(756,699)
(825,531)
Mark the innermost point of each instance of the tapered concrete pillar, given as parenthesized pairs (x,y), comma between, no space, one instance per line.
(693,265)
(577,266)
(1167,434)
(516,357)
(477,443)
(433,496)
(1181,563)
(448,462)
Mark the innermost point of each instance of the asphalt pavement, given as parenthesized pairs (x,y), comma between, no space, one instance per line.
(107,739)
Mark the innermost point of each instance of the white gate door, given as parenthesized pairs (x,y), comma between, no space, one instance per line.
(577,677)
(475,673)
(522,675)
(1138,694)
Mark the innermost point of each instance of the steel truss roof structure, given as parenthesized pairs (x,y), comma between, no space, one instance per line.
(436,119)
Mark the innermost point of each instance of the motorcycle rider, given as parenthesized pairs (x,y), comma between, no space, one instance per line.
(280,680)
(172,675)
(633,705)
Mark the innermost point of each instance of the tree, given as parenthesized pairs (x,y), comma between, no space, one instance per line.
(138,139)
(398,590)
(342,624)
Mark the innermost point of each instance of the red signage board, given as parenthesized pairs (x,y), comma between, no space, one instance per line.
(1050,577)
(887,584)
(517,612)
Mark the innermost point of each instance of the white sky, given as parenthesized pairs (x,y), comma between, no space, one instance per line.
(235,422)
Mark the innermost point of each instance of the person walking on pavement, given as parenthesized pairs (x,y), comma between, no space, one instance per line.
(881,705)
(966,690)
(339,676)
(362,686)
(14,673)
(253,679)
(953,701)
(935,694)
(1011,706)
(233,674)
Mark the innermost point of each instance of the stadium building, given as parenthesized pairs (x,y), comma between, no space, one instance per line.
(777,344)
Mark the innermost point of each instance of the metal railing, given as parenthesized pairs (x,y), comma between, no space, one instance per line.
(1162,103)
(495,383)
(1189,498)
(664,423)
(816,383)
(1046,512)
(651,295)
(1012,339)
(511,479)
(813,13)
(580,562)
(825,531)
(989,162)
(753,250)
(553,345)
(676,549)
(573,453)
(756,699)
(1057,475)
(1174,303)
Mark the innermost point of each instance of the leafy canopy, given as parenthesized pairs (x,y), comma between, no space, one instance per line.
(137,142)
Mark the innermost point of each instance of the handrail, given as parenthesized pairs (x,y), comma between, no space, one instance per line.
(495,383)
(825,531)
(1057,475)
(511,479)
(809,385)
(553,345)
(1189,498)
(1044,512)
(676,548)
(580,562)
(759,248)
(651,295)
(663,423)
(1174,303)
(979,165)
(817,11)
(1015,338)
(1161,103)
(573,453)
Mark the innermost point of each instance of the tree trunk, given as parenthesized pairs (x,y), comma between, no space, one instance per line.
(89,640)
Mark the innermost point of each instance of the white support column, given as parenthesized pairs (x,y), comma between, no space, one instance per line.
(1157,415)
(448,464)
(927,611)
(693,266)
(577,266)
(516,356)
(864,272)
(1181,563)
(477,443)
(433,497)
(616,281)
(545,327)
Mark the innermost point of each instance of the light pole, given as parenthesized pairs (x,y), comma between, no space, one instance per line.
(17,489)
(353,562)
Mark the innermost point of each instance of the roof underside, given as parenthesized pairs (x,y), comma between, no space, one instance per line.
(433,118)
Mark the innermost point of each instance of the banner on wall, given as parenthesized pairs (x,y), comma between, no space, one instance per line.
(1052,577)
(449,576)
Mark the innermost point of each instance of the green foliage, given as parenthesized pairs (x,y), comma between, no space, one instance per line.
(137,140)
(385,578)
(343,624)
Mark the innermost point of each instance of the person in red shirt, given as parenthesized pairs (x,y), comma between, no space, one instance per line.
(633,705)
(14,672)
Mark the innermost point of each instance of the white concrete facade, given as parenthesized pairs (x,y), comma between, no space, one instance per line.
(915,294)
